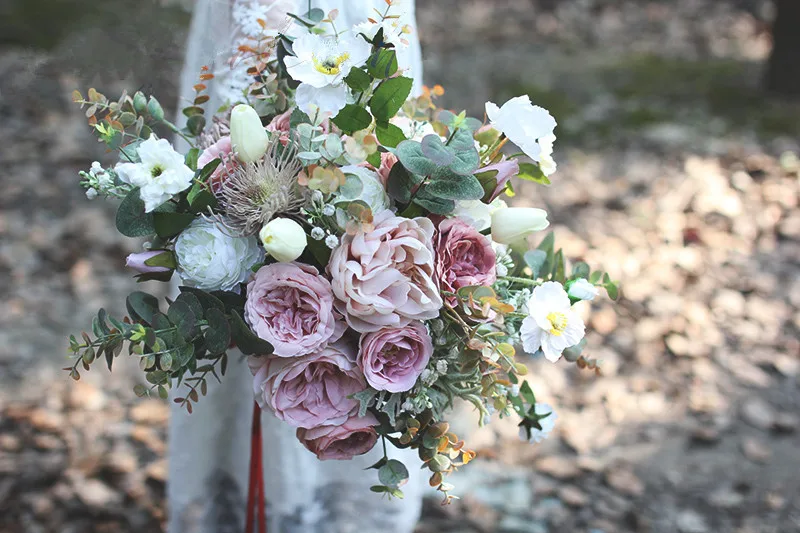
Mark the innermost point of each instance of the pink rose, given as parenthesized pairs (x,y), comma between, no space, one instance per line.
(291,306)
(384,277)
(388,160)
(506,169)
(223,150)
(281,124)
(464,258)
(356,436)
(393,358)
(311,390)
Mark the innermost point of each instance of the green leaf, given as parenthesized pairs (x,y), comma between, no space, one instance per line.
(205,172)
(580,270)
(352,118)
(218,334)
(462,188)
(382,64)
(168,224)
(612,289)
(535,259)
(200,198)
(193,302)
(547,243)
(527,393)
(142,306)
(437,206)
(389,135)
(131,219)
(532,172)
(434,149)
(393,474)
(389,97)
(466,162)
(462,141)
(358,80)
(155,109)
(247,341)
(411,156)
(195,124)
(400,184)
(374,159)
(191,158)
(298,117)
(208,301)
(165,259)
(183,317)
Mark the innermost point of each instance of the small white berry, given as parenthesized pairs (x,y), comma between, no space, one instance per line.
(331,241)
(317,233)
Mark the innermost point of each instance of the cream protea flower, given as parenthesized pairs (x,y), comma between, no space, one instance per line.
(256,192)
(551,323)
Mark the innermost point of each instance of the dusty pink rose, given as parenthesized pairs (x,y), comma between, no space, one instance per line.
(291,306)
(356,436)
(282,125)
(384,277)
(464,257)
(393,358)
(311,390)
(222,150)
(506,169)
(388,160)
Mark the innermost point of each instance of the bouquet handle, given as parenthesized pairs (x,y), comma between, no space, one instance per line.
(255,492)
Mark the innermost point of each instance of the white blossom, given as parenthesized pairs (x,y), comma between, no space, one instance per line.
(331,241)
(525,124)
(583,290)
(210,259)
(551,323)
(160,175)
(317,233)
(547,423)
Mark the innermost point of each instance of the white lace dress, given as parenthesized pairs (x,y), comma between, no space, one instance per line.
(209,449)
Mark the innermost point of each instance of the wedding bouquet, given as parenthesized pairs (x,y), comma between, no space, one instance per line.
(350,239)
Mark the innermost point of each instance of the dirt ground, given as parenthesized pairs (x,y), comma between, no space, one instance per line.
(676,175)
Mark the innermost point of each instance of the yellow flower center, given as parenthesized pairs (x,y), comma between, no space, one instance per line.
(330,65)
(558,323)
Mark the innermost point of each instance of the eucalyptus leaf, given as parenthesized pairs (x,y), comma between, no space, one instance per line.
(434,149)
(400,184)
(411,156)
(464,188)
(437,206)
(247,341)
(393,474)
(181,315)
(142,306)
(535,259)
(466,162)
(218,334)
(131,219)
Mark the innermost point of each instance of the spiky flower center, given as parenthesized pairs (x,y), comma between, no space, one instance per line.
(330,65)
(558,323)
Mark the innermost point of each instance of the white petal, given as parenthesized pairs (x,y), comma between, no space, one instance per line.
(531,335)
(552,296)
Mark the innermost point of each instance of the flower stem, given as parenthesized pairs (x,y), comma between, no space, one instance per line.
(521,281)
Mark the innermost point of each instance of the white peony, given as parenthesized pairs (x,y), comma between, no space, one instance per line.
(583,290)
(210,259)
(547,423)
(364,185)
(477,213)
(524,124)
(321,63)
(551,323)
(160,175)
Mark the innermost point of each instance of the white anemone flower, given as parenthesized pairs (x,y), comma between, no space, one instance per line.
(525,124)
(160,174)
(320,64)
(551,323)
(546,161)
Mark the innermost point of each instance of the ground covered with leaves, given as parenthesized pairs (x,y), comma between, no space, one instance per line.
(675,174)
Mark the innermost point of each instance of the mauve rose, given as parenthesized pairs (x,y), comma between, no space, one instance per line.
(384,277)
(464,258)
(388,160)
(291,306)
(356,436)
(393,358)
(311,390)
(223,150)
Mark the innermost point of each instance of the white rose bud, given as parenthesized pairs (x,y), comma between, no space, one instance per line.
(583,290)
(515,223)
(248,136)
(284,239)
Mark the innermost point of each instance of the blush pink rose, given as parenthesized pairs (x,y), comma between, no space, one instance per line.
(388,160)
(464,258)
(291,306)
(356,436)
(311,390)
(384,277)
(281,124)
(223,150)
(393,358)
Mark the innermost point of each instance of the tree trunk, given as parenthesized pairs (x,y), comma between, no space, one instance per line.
(783,70)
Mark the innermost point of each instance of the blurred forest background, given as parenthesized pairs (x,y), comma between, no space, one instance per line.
(678,173)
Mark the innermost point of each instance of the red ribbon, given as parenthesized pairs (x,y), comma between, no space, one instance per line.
(255,493)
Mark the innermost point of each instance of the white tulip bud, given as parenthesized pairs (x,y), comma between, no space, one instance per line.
(248,137)
(582,290)
(284,239)
(515,223)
